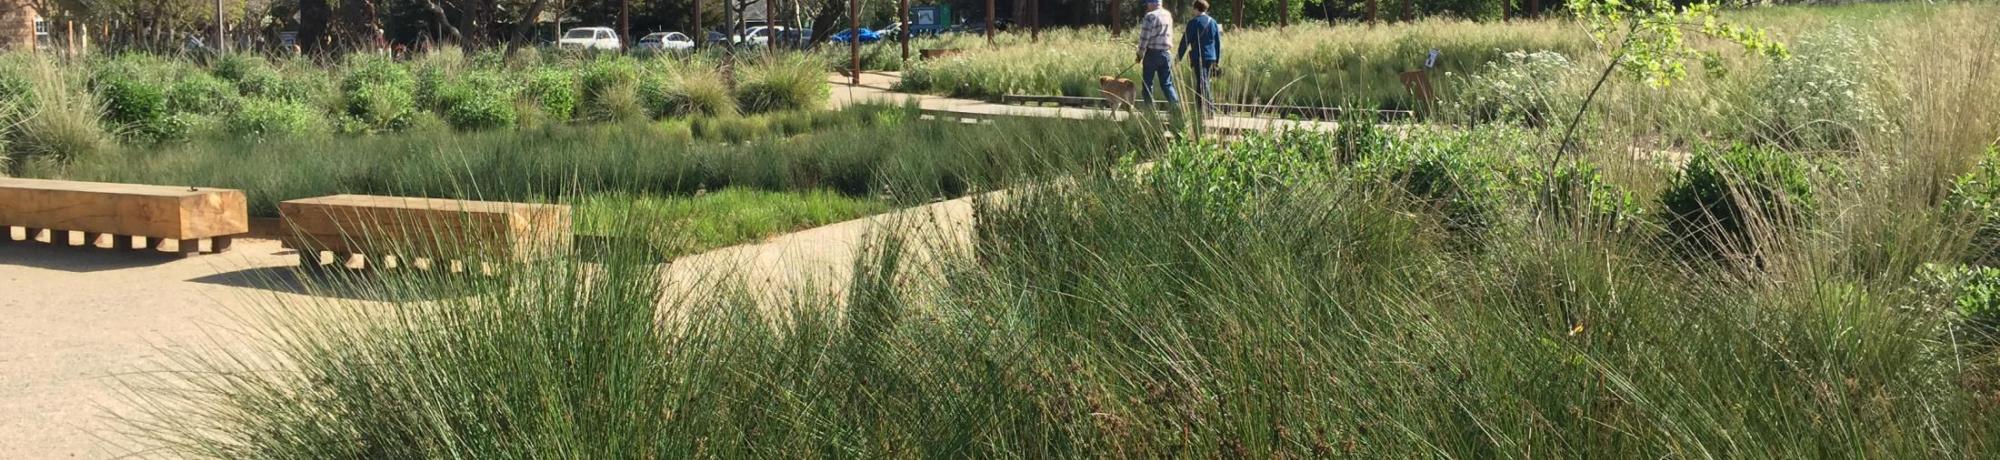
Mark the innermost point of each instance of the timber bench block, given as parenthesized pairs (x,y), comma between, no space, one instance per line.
(363,231)
(185,220)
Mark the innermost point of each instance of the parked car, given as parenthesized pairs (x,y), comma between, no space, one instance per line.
(665,41)
(867,36)
(760,35)
(591,38)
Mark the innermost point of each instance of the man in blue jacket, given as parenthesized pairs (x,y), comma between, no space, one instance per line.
(1205,36)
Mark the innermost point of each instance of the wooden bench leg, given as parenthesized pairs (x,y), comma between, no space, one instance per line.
(221,244)
(102,240)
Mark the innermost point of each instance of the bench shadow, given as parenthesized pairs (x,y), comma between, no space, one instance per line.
(83,259)
(360,285)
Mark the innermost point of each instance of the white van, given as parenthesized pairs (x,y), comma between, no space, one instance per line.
(591,38)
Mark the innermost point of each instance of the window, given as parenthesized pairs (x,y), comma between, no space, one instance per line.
(579,33)
(603,34)
(41,26)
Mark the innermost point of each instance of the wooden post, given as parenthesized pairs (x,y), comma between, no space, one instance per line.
(903,29)
(770,25)
(1371,13)
(1035,20)
(1406,10)
(701,35)
(1239,15)
(69,42)
(854,40)
(1284,14)
(624,22)
(1503,10)
(1114,18)
(1534,8)
(989,22)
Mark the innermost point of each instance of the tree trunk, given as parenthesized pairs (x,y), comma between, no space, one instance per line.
(314,16)
(525,25)
(828,17)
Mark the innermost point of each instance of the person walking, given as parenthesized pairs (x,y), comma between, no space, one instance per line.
(1156,38)
(1205,37)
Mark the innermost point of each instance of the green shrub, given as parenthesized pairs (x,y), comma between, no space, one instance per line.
(1973,297)
(1579,194)
(202,94)
(132,104)
(554,91)
(379,107)
(1442,174)
(1223,176)
(776,84)
(429,81)
(478,101)
(1975,199)
(365,70)
(1725,202)
(267,118)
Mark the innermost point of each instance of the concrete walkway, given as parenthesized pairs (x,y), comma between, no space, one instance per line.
(879,87)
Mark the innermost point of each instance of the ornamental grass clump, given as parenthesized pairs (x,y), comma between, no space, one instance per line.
(782,83)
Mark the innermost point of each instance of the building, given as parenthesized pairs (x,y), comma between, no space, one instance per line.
(19,24)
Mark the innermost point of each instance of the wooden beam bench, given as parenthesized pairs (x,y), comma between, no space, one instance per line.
(175,219)
(382,232)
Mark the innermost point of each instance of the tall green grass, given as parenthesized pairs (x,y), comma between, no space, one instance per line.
(866,151)
(689,225)
(1123,314)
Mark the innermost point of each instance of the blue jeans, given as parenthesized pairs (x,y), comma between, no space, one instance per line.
(1201,92)
(1158,66)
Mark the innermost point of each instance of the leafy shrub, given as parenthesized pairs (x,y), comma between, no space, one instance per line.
(1723,203)
(429,82)
(378,107)
(1442,174)
(1975,197)
(1579,194)
(1973,295)
(1524,87)
(1820,98)
(365,70)
(478,101)
(1223,176)
(203,94)
(554,91)
(132,103)
(268,118)
(775,84)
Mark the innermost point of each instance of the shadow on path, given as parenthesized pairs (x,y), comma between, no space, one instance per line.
(78,259)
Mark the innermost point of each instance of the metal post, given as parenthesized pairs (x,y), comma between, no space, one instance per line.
(1284,14)
(1035,21)
(624,22)
(989,22)
(1371,12)
(1534,8)
(770,25)
(1406,10)
(903,29)
(1503,10)
(221,37)
(701,35)
(1239,14)
(854,40)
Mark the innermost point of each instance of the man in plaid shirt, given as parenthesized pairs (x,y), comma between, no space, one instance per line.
(1156,38)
